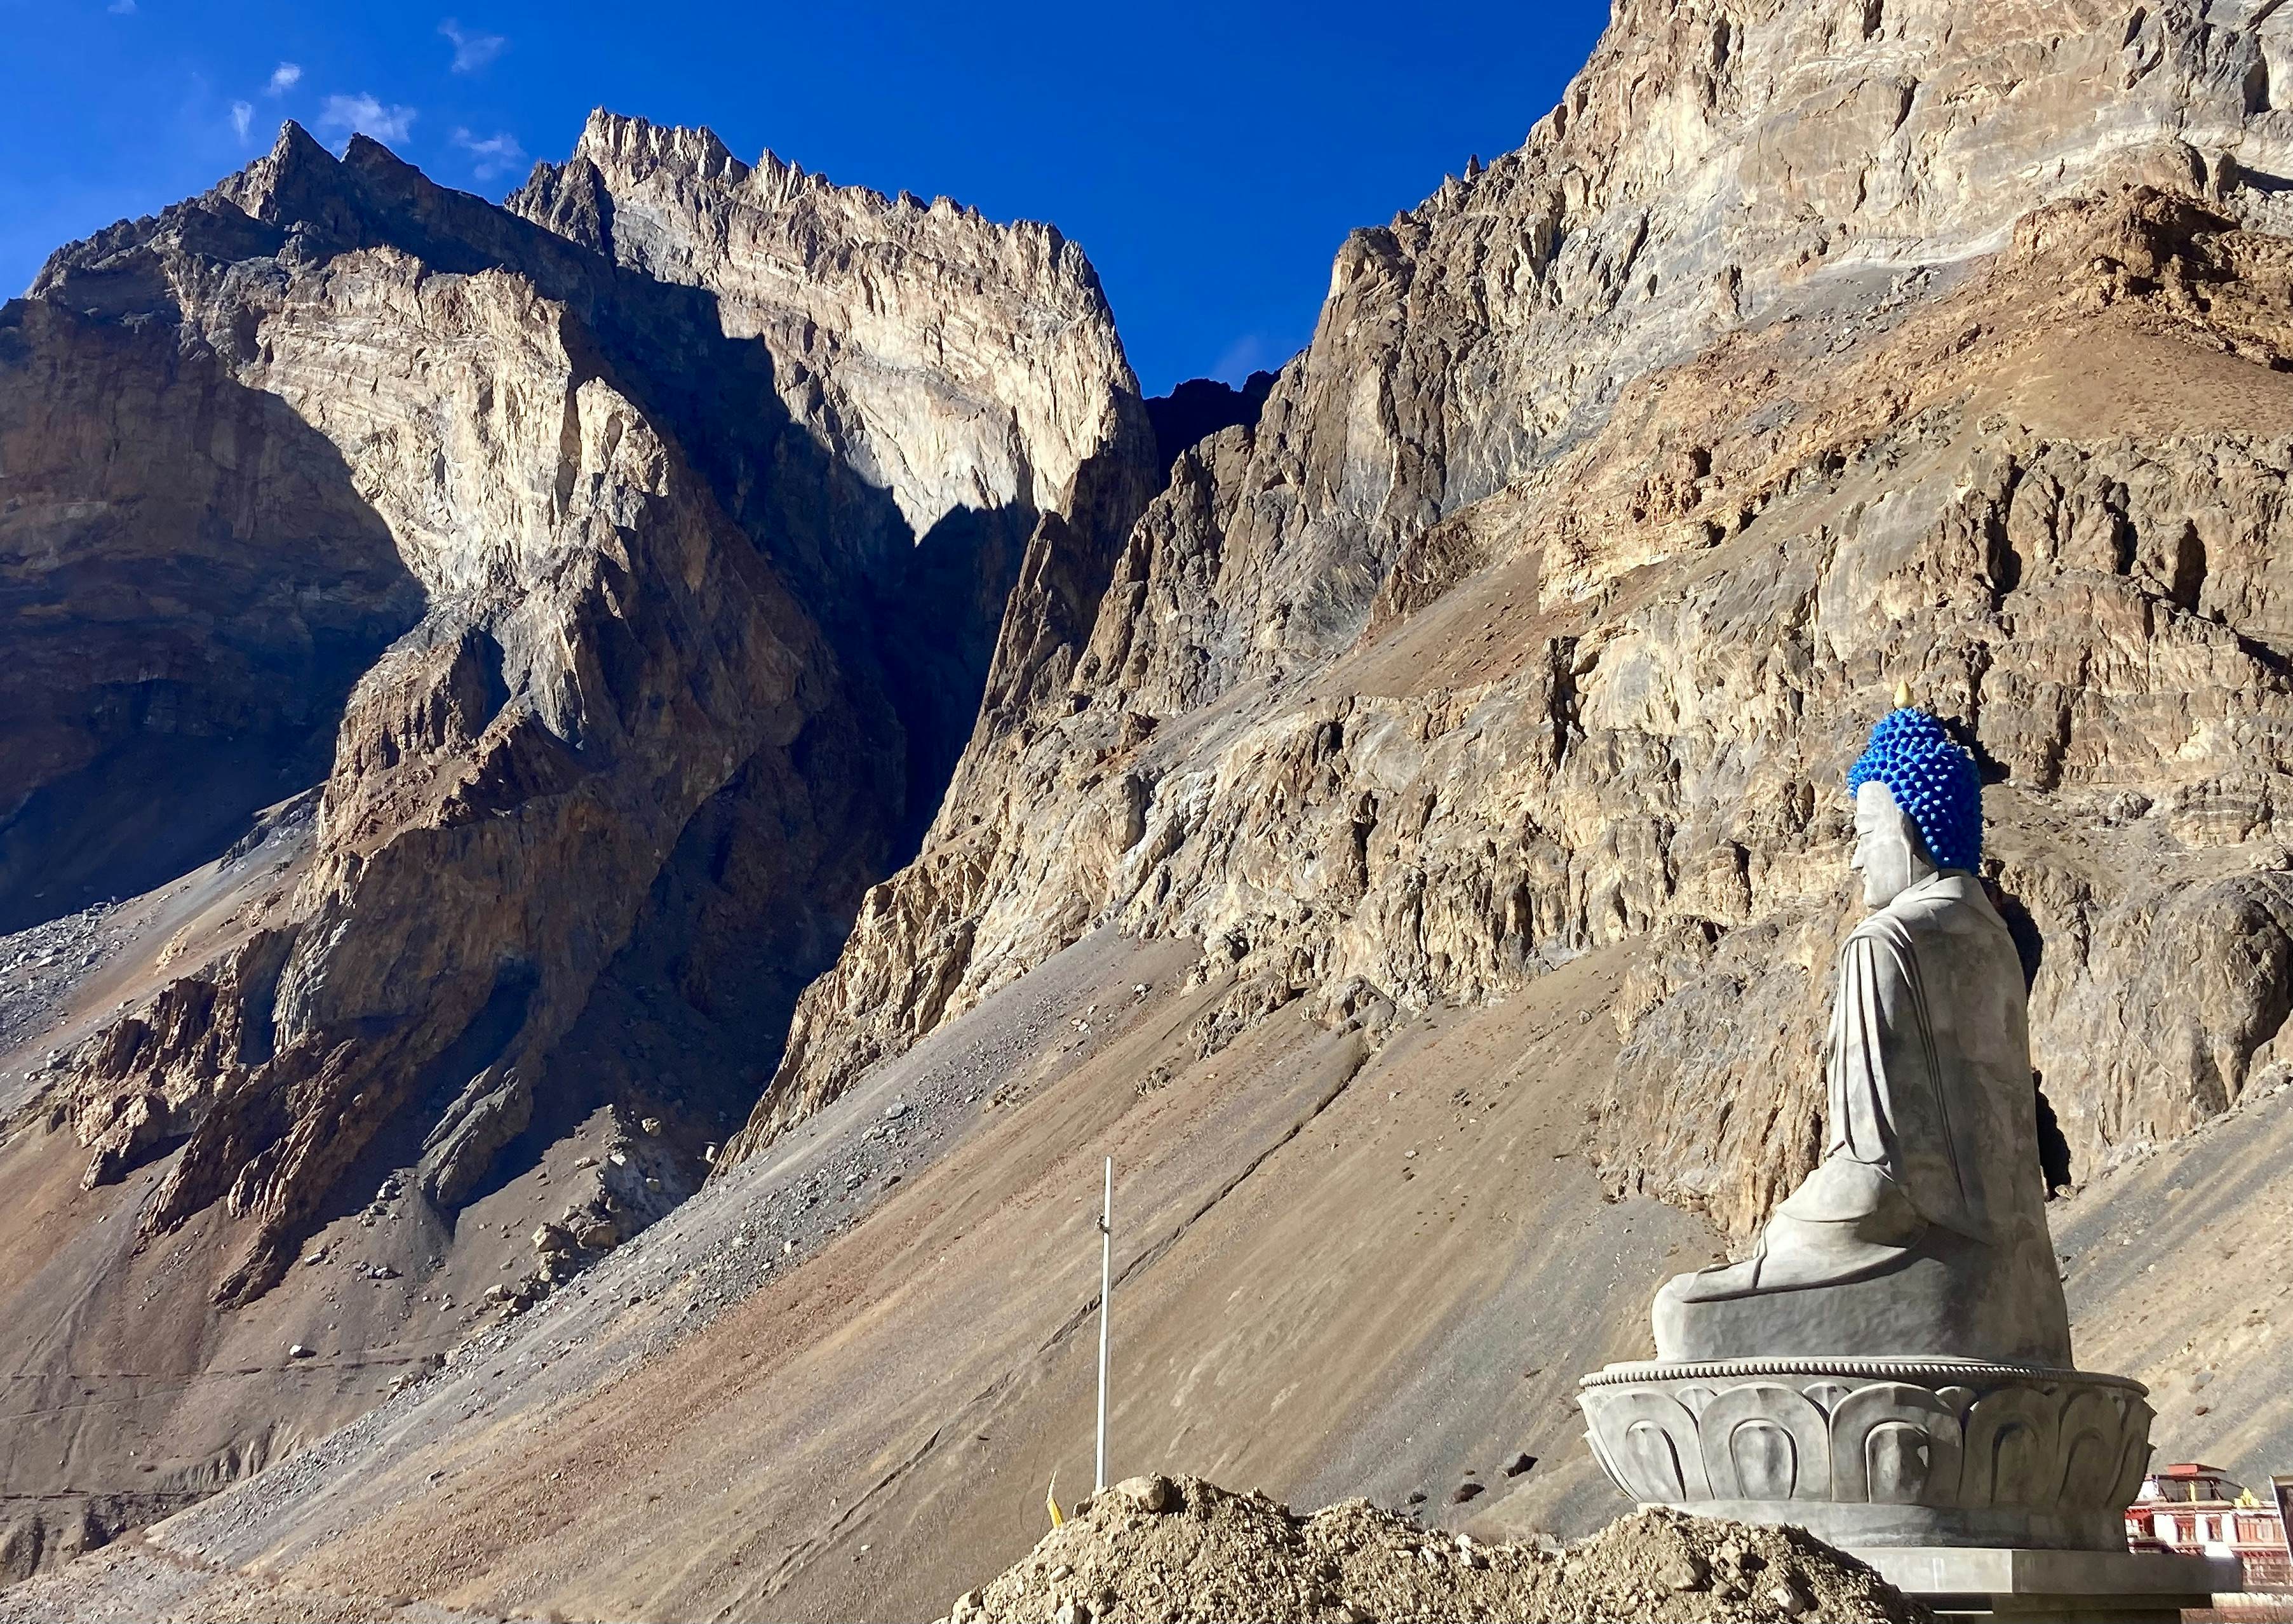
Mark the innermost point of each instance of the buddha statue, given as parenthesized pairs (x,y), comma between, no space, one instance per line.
(1922,1230)
(1890,1366)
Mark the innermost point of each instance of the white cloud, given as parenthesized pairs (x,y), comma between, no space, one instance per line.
(242,118)
(471,51)
(368,116)
(496,155)
(122,8)
(284,79)
(1242,357)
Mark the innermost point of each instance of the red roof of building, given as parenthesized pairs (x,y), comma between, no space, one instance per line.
(2188,1468)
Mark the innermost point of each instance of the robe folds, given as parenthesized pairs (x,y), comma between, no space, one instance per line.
(1888,1093)
(1928,1080)
(1923,1228)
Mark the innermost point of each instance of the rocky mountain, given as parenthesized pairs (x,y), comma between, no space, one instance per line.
(1409,838)
(675,580)
(624,603)
(1799,353)
(1199,408)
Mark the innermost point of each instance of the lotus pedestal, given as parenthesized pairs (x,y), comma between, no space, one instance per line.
(1986,1488)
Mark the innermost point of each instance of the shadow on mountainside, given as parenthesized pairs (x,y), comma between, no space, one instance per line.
(660,981)
(1200,408)
(190,586)
(201,605)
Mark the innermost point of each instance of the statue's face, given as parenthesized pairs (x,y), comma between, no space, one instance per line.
(1888,851)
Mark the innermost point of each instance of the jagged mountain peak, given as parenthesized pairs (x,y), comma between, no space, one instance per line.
(691,168)
(295,180)
(635,150)
(638,146)
(859,295)
(654,582)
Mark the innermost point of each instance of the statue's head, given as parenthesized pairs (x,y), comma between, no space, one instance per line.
(1889,854)
(1919,804)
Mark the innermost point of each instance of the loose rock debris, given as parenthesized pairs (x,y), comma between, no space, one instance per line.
(1164,1550)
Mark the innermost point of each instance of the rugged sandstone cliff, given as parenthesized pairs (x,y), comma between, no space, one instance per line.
(630,576)
(1802,350)
(661,704)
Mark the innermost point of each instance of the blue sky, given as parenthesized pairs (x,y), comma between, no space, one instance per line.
(1210,158)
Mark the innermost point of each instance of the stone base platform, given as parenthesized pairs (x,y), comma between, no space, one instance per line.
(1960,1582)
(1880,1453)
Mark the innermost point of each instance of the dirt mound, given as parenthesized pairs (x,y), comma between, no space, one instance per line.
(1183,1549)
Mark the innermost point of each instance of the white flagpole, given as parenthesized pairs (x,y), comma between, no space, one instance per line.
(1105,1287)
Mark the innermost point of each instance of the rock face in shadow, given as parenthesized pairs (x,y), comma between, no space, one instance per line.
(1199,408)
(191,585)
(638,554)
(1798,352)
(964,368)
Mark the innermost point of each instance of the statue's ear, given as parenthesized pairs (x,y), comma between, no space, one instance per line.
(1918,840)
(1894,808)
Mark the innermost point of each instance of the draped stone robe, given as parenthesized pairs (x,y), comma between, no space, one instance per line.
(1924,1229)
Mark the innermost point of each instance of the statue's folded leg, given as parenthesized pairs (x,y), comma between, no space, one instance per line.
(1845,1221)
(1848,1223)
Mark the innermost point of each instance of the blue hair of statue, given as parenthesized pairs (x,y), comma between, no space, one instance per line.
(1934,780)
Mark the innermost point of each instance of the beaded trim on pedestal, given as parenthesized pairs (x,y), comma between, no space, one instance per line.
(1873,1370)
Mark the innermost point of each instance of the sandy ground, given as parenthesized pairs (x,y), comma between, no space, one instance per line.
(2179,1271)
(122,1397)
(132,1582)
(1335,1277)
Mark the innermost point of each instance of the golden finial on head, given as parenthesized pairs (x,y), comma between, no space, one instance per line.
(1902,696)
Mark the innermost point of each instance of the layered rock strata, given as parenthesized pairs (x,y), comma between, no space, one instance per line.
(970,371)
(1800,352)
(602,562)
